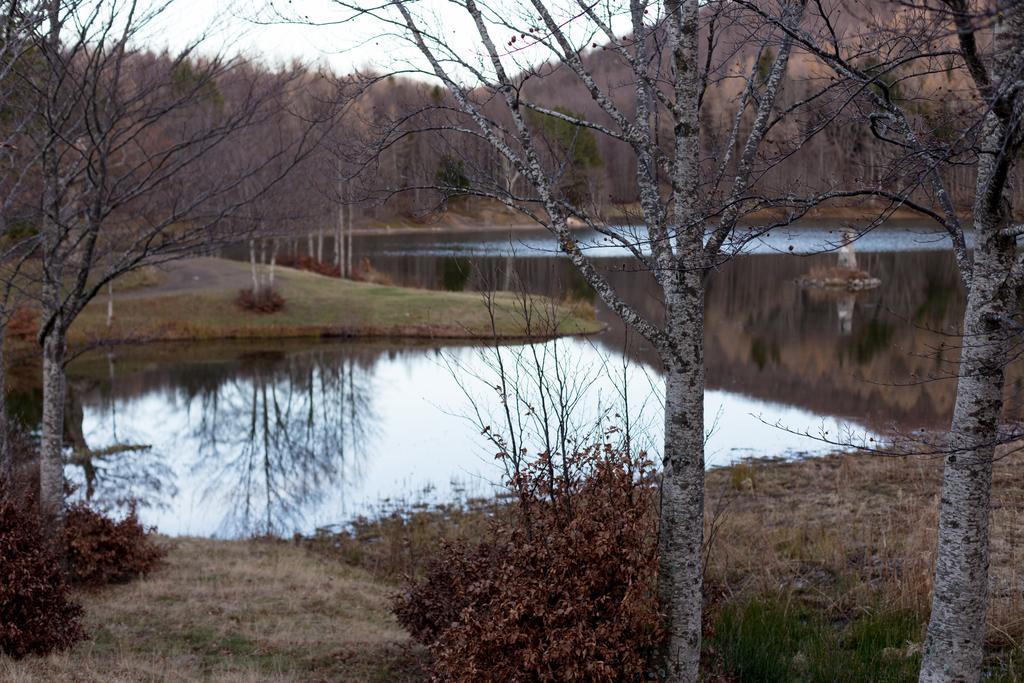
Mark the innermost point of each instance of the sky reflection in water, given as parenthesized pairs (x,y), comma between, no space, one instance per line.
(245,455)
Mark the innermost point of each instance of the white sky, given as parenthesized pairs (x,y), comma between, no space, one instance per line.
(241,26)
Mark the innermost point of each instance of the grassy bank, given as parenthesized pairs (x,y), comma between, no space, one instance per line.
(818,570)
(315,306)
(821,569)
(235,611)
(479,215)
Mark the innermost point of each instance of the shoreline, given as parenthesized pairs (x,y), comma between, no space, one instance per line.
(456,223)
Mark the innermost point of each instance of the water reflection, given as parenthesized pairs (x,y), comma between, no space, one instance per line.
(835,353)
(288,436)
(279,436)
(120,472)
(243,442)
(309,434)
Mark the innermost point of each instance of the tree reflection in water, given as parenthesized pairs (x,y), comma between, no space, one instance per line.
(272,435)
(116,475)
(276,439)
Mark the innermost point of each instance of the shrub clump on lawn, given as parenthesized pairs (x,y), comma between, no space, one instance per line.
(102,551)
(36,615)
(565,587)
(265,301)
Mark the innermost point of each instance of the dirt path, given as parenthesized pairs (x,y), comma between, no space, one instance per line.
(192,275)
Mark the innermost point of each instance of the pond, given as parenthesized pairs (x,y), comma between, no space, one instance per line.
(238,439)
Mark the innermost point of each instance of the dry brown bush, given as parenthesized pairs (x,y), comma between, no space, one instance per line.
(101,551)
(563,588)
(266,301)
(36,615)
(365,272)
(311,264)
(24,323)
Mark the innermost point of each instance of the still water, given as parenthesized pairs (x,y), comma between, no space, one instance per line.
(239,439)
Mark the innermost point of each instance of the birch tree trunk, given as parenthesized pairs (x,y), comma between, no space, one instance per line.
(681,528)
(348,246)
(339,244)
(273,263)
(954,646)
(956,631)
(51,451)
(681,523)
(255,273)
(338,233)
(955,642)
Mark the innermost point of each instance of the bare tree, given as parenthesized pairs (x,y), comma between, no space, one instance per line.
(133,169)
(692,207)
(885,60)
(20,21)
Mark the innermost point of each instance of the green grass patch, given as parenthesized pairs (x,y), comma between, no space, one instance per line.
(772,639)
(318,306)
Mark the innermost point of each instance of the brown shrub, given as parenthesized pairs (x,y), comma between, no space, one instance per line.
(36,616)
(563,588)
(266,301)
(311,264)
(102,551)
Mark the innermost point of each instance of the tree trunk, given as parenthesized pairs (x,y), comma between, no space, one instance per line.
(681,524)
(338,232)
(110,304)
(348,246)
(255,274)
(320,245)
(51,452)
(273,263)
(956,630)
(339,244)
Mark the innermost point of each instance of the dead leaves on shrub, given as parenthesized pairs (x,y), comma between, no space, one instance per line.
(266,301)
(564,589)
(102,551)
(36,615)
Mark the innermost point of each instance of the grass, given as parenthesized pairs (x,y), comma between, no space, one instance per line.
(236,611)
(318,306)
(773,640)
(831,559)
(818,570)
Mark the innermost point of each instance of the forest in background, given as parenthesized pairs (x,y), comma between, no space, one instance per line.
(388,157)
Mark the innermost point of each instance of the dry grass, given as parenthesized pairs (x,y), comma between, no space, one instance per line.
(846,540)
(850,533)
(236,611)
